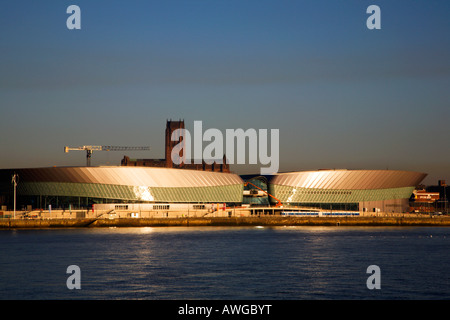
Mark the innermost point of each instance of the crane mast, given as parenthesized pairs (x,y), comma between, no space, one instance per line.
(90,149)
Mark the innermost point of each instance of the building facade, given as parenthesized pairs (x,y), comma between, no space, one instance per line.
(62,187)
(356,190)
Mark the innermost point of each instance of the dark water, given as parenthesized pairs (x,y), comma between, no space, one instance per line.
(226,263)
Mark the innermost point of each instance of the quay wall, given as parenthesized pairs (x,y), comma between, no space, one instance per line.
(225,221)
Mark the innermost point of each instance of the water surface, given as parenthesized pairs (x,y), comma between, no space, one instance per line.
(226,263)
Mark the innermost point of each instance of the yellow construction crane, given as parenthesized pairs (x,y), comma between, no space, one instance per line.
(90,149)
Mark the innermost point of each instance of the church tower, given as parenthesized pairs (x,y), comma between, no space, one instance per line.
(171,126)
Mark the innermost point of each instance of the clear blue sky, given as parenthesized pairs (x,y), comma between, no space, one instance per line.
(343,96)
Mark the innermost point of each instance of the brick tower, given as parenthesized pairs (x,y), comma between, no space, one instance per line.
(171,126)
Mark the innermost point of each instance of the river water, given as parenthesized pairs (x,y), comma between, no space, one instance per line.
(279,263)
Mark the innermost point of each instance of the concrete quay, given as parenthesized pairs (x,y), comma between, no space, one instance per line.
(268,221)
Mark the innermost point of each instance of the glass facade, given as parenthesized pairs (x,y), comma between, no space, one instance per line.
(83,186)
(292,195)
(255,196)
(341,200)
(61,195)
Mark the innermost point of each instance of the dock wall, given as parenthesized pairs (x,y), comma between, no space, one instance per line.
(225,221)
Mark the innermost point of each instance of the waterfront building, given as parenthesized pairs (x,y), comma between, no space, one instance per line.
(62,187)
(346,190)
(355,190)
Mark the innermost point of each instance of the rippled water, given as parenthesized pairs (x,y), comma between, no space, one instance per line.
(226,263)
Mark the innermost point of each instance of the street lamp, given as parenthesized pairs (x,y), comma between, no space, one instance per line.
(445,199)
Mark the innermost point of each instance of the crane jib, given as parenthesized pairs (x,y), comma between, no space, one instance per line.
(90,149)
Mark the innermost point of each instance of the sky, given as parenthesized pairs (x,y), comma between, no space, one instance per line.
(341,95)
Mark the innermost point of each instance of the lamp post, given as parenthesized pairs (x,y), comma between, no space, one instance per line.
(445,199)
(14,182)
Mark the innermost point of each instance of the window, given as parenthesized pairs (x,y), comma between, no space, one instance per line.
(161,207)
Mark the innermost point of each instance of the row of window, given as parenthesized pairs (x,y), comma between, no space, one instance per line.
(288,190)
(161,207)
(329,206)
(326,192)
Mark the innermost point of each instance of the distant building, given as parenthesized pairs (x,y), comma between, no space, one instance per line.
(422,196)
(171,126)
(431,198)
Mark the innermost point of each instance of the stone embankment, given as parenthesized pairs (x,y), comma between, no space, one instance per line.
(225,221)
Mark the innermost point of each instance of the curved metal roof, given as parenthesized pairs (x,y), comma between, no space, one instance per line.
(130,176)
(349,179)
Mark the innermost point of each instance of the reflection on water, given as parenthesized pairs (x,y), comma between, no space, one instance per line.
(225,263)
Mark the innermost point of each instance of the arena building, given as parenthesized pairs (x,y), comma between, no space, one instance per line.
(82,187)
(354,190)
